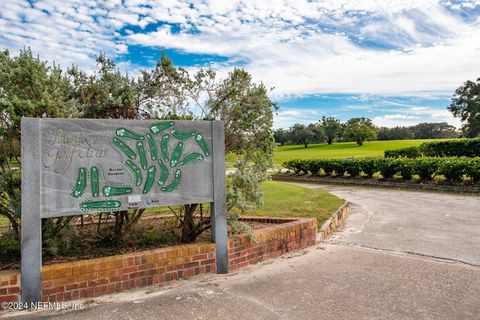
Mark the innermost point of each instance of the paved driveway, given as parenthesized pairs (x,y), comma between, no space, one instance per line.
(401,255)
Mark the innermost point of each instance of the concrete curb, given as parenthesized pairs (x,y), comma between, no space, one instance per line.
(332,224)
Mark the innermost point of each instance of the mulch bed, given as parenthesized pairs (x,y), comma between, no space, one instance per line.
(394,183)
(154,231)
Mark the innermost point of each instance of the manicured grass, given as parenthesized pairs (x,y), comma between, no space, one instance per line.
(286,200)
(342,150)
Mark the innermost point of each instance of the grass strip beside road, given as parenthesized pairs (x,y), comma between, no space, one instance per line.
(286,200)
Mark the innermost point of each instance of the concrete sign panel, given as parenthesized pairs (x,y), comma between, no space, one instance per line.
(79,166)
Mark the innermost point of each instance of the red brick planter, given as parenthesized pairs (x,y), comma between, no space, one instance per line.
(94,277)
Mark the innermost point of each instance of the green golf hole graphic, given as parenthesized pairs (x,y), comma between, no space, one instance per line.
(191,157)
(190,147)
(163,173)
(159,127)
(143,156)
(109,191)
(124,148)
(176,181)
(182,135)
(122,132)
(202,144)
(150,179)
(95,205)
(152,148)
(81,183)
(177,152)
(94,181)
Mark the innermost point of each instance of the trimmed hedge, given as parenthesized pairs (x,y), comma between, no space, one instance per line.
(453,169)
(410,152)
(449,148)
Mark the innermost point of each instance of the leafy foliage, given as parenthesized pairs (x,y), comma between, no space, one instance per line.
(448,148)
(359,130)
(465,104)
(332,128)
(454,169)
(31,87)
(410,152)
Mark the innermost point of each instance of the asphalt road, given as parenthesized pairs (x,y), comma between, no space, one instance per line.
(401,255)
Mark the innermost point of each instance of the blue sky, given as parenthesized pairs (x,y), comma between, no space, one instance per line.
(397,62)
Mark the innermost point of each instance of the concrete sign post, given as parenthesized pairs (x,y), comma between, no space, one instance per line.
(77,166)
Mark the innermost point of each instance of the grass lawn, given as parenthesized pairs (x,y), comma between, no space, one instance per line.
(341,150)
(285,200)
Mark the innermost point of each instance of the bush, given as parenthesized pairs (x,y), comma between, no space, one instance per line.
(410,152)
(354,167)
(453,168)
(388,167)
(369,166)
(452,148)
(426,168)
(313,166)
(340,167)
(473,169)
(405,168)
(328,166)
(296,165)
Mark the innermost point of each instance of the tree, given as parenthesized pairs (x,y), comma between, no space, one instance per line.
(107,93)
(247,112)
(300,134)
(465,104)
(318,133)
(28,88)
(434,130)
(395,133)
(280,136)
(331,128)
(359,130)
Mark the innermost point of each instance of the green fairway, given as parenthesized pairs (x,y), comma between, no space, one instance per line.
(342,150)
(285,200)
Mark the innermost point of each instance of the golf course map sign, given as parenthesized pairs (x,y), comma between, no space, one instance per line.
(81,166)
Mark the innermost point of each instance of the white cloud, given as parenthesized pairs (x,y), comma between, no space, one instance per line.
(414,115)
(299,47)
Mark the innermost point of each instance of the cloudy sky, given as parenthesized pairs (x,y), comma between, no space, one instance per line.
(397,62)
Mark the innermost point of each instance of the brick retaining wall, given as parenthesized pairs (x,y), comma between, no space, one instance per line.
(94,277)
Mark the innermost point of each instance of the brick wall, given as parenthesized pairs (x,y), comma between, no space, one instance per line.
(94,277)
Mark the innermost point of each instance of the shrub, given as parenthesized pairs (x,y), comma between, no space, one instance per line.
(426,168)
(369,166)
(328,166)
(313,166)
(354,167)
(388,167)
(405,167)
(453,168)
(296,165)
(410,152)
(340,167)
(473,169)
(452,148)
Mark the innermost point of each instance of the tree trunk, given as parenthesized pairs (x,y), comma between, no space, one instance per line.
(305,144)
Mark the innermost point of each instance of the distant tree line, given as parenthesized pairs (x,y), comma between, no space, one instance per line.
(330,130)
